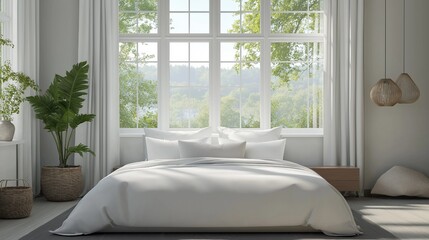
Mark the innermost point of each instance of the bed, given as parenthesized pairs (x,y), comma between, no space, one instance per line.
(211,194)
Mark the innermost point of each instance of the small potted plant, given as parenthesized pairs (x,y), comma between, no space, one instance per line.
(59,109)
(12,94)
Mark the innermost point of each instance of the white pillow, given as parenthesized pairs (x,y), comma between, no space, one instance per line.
(170,135)
(402,181)
(165,149)
(262,150)
(178,135)
(197,149)
(250,135)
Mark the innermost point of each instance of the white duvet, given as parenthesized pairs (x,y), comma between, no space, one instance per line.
(211,194)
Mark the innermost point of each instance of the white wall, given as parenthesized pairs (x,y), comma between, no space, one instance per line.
(398,134)
(58,52)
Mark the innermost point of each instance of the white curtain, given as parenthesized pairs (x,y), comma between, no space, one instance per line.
(343,128)
(98,44)
(28,59)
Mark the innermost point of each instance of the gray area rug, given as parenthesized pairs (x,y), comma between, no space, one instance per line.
(371,231)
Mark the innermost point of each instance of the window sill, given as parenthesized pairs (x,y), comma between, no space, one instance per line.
(302,135)
(289,133)
(131,135)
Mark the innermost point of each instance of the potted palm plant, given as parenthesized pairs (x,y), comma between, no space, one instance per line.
(12,94)
(58,108)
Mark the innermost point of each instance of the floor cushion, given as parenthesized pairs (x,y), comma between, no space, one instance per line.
(402,181)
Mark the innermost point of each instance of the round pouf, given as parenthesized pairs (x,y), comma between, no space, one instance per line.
(61,184)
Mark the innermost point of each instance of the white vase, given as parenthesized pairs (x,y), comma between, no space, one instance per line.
(7,130)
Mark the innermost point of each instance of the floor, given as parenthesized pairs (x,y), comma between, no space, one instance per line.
(42,212)
(405,218)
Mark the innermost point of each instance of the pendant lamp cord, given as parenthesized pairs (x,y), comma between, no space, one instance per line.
(403,40)
(385,38)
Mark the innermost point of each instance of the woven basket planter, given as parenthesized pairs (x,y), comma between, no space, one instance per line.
(61,184)
(15,202)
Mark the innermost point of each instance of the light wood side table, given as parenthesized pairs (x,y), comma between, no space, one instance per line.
(344,179)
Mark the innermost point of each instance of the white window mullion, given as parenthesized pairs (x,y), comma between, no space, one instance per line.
(189,16)
(188,64)
(163,72)
(265,85)
(265,66)
(215,85)
(240,86)
(136,62)
(329,73)
(214,119)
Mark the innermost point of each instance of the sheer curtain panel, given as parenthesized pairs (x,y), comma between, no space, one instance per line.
(28,58)
(343,128)
(98,44)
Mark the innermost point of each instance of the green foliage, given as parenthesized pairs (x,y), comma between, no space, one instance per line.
(133,20)
(138,95)
(292,108)
(282,55)
(244,115)
(230,112)
(59,109)
(189,108)
(250,22)
(12,87)
(6,42)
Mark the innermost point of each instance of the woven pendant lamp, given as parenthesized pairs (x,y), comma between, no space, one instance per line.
(410,91)
(385,92)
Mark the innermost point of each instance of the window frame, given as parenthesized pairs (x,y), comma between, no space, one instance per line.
(7,19)
(215,37)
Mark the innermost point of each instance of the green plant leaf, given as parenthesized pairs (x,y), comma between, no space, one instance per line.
(80,149)
(54,123)
(68,116)
(53,89)
(43,106)
(74,85)
(5,42)
(81,118)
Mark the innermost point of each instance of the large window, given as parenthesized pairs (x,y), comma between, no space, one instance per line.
(232,63)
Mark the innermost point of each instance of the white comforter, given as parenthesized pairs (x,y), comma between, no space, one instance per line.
(211,194)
